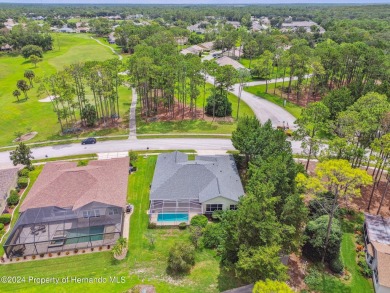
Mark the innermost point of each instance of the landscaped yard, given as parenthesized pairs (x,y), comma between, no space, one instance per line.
(144,264)
(259,90)
(18,116)
(357,283)
(196,126)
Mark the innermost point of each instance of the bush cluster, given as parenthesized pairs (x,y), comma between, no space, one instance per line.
(22,182)
(5,219)
(199,220)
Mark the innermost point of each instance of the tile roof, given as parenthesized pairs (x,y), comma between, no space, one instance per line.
(383,263)
(204,178)
(378,229)
(63,184)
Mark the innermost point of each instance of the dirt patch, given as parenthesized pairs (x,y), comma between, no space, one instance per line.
(26,136)
(297,267)
(183,112)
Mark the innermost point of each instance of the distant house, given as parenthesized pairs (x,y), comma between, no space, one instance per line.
(235,24)
(66,29)
(294,25)
(6,47)
(182,188)
(111,38)
(71,207)
(207,46)
(8,179)
(229,61)
(377,248)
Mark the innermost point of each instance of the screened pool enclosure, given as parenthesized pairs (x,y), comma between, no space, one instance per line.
(52,229)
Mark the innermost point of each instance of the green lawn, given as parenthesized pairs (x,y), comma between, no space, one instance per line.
(259,90)
(18,116)
(357,283)
(196,126)
(143,265)
(276,74)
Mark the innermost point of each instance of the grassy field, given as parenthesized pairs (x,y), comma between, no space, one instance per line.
(144,264)
(18,116)
(195,126)
(259,90)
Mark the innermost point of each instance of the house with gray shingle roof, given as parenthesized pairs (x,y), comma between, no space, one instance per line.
(190,187)
(8,179)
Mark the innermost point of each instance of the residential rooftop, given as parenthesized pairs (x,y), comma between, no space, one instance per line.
(204,178)
(64,185)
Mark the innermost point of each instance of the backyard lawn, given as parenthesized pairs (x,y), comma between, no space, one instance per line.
(196,126)
(357,283)
(144,264)
(259,90)
(18,116)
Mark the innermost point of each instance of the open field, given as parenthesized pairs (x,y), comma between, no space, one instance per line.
(195,126)
(18,116)
(259,90)
(143,265)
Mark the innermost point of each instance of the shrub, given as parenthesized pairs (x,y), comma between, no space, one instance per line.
(14,192)
(195,236)
(29,50)
(199,220)
(181,259)
(13,200)
(315,233)
(33,257)
(212,236)
(23,172)
(42,255)
(1,226)
(320,206)
(336,265)
(50,255)
(67,253)
(5,218)
(59,253)
(76,250)
(22,182)
(219,105)
(182,226)
(152,225)
(91,248)
(217,215)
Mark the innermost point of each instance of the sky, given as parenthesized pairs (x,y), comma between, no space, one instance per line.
(236,2)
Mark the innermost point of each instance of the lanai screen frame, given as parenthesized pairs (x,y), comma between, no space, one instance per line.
(160,206)
(70,220)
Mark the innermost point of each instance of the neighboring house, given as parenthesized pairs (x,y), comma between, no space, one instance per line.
(8,180)
(294,25)
(182,188)
(377,242)
(229,61)
(235,24)
(66,29)
(71,207)
(195,49)
(111,38)
(207,46)
(6,47)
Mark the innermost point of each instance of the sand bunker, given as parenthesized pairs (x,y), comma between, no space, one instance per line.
(48,99)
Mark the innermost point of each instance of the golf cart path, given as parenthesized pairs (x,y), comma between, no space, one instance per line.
(112,49)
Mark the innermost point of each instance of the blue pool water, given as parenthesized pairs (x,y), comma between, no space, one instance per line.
(172,217)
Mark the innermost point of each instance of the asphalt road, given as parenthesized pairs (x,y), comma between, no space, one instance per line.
(132,144)
(263,109)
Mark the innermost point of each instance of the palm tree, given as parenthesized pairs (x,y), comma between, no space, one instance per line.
(22,85)
(120,246)
(30,75)
(16,94)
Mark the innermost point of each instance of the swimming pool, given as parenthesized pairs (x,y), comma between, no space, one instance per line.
(82,234)
(172,217)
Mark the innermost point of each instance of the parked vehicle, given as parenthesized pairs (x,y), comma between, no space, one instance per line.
(89,140)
